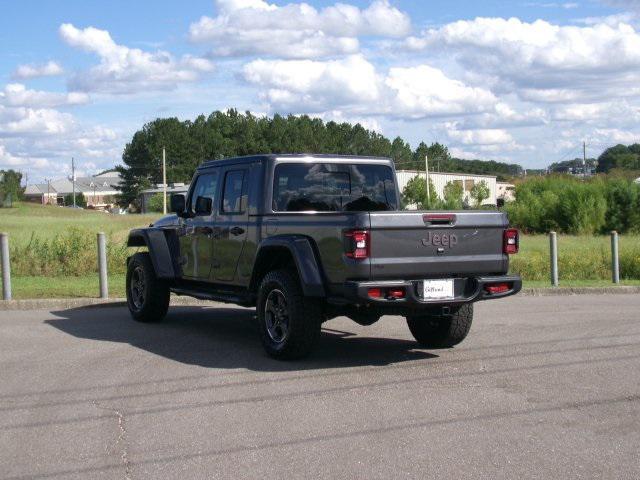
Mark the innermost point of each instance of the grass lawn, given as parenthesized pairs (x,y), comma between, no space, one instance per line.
(580,257)
(65,287)
(45,222)
(578,283)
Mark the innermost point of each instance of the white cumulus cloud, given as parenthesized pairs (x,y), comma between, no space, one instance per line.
(23,121)
(295,30)
(48,69)
(17,95)
(492,136)
(426,91)
(541,61)
(353,85)
(124,70)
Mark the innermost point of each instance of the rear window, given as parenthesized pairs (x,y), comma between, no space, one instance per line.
(333,187)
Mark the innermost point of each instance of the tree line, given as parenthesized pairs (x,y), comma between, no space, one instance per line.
(227,134)
(620,157)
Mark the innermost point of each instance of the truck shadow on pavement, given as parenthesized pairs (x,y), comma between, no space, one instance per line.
(227,338)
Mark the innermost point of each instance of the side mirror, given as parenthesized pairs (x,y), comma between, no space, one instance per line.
(203,205)
(178,204)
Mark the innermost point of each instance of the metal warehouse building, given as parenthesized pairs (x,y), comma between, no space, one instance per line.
(440,179)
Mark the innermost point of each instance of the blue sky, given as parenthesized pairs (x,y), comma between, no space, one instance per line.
(523,82)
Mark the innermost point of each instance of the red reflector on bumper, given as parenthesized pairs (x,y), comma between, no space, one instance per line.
(375,292)
(497,288)
(395,293)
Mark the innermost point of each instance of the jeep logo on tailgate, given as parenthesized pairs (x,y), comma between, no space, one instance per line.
(440,240)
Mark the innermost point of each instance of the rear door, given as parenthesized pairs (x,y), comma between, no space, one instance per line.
(230,232)
(415,245)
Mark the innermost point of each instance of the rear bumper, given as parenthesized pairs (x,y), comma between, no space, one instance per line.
(466,290)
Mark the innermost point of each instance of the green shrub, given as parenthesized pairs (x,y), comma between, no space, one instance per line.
(623,205)
(570,205)
(81,201)
(156,203)
(581,209)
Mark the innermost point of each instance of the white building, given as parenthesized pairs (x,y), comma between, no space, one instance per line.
(440,179)
(506,191)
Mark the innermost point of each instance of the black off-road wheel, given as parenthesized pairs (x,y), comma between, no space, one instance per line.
(442,331)
(289,323)
(147,296)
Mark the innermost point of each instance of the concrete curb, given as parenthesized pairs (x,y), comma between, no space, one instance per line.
(67,303)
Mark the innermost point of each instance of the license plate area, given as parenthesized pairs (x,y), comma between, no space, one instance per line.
(441,289)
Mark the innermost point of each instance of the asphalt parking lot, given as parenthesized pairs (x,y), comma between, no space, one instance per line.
(544,387)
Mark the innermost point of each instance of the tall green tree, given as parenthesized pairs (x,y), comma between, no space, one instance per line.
(479,192)
(10,189)
(453,196)
(415,193)
(620,156)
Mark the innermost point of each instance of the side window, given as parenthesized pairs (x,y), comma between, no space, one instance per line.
(206,185)
(232,201)
(468,185)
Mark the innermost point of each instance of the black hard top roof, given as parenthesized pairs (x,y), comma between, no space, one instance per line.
(271,156)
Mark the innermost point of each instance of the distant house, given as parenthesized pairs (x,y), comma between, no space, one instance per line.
(40,193)
(99,191)
(440,180)
(172,188)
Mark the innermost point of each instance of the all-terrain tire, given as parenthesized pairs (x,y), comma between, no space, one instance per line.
(147,296)
(442,331)
(290,324)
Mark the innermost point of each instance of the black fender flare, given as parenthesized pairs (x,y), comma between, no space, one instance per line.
(157,242)
(305,259)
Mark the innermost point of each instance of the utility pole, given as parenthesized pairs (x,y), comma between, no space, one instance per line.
(426,169)
(73,180)
(48,190)
(584,159)
(164,181)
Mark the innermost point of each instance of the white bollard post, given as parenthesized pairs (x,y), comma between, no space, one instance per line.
(6,267)
(615,261)
(553,245)
(102,265)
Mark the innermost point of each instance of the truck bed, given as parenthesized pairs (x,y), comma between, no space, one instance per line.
(420,244)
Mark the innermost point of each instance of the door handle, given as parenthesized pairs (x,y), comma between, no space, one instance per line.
(236,231)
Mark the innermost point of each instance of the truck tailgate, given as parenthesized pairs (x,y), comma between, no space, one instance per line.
(414,245)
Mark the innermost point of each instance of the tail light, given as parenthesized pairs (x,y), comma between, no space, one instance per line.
(510,241)
(497,288)
(357,244)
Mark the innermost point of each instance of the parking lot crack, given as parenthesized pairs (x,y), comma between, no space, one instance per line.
(121,441)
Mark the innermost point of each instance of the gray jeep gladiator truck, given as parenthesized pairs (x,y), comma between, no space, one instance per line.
(306,238)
